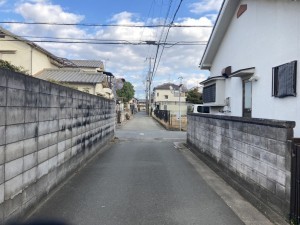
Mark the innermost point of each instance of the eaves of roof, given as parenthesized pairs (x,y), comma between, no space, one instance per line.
(224,18)
(212,79)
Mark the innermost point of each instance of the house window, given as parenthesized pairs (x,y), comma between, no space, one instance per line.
(176,93)
(166,96)
(209,93)
(284,80)
(157,94)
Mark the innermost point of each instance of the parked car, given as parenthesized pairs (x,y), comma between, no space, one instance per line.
(199,108)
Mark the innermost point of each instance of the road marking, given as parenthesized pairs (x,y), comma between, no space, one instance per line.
(142,134)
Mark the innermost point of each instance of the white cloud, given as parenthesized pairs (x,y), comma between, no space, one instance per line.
(45,11)
(126,61)
(2,2)
(204,6)
(193,80)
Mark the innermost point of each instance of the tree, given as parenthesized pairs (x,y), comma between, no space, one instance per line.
(7,65)
(126,92)
(193,96)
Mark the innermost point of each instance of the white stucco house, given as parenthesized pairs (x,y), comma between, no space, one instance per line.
(33,58)
(253,55)
(166,98)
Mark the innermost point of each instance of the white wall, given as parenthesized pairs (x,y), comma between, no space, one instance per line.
(265,36)
(174,108)
(171,96)
(40,62)
(26,56)
(22,55)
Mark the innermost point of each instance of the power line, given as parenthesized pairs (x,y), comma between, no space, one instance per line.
(110,42)
(160,38)
(107,25)
(105,40)
(142,32)
(166,37)
(157,49)
(149,79)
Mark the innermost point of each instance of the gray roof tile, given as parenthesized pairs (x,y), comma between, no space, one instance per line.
(88,63)
(166,86)
(71,76)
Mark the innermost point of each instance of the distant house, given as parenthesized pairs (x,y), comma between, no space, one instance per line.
(253,56)
(91,82)
(133,104)
(166,97)
(141,104)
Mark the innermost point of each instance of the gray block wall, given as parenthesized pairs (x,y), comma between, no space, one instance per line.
(47,131)
(253,154)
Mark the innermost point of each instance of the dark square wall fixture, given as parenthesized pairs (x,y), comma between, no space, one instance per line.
(209,93)
(284,80)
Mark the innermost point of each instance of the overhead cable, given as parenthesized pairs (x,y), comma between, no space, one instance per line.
(107,42)
(155,67)
(106,25)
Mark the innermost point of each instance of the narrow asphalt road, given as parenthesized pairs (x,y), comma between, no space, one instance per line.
(141,179)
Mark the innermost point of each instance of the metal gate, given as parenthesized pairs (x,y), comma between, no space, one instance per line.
(295,184)
(162,115)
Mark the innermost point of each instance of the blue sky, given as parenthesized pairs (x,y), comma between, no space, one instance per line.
(123,60)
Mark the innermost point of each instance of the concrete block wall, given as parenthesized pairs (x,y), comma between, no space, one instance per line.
(46,131)
(175,122)
(254,154)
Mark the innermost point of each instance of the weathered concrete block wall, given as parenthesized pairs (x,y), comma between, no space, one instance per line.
(173,123)
(255,153)
(46,131)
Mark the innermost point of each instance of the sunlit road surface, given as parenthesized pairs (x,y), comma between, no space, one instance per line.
(141,179)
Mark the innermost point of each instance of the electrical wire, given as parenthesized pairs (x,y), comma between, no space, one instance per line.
(106,25)
(155,67)
(159,41)
(107,42)
(148,16)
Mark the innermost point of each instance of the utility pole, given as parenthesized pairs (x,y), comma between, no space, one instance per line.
(180,102)
(148,88)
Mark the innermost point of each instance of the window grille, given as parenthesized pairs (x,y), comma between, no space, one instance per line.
(209,93)
(284,80)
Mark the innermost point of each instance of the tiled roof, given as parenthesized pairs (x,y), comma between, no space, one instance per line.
(88,63)
(71,76)
(166,86)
